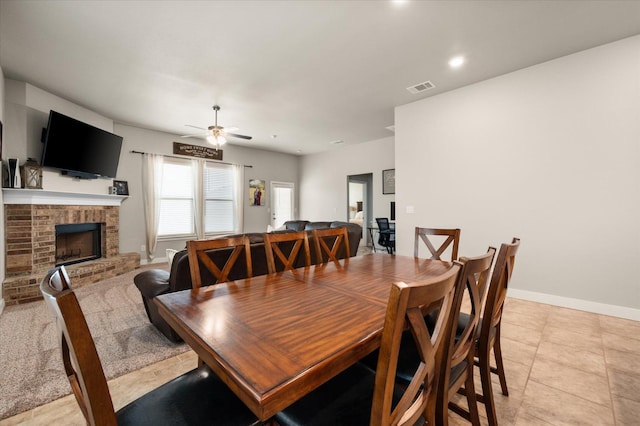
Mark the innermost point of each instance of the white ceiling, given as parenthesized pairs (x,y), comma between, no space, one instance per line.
(310,72)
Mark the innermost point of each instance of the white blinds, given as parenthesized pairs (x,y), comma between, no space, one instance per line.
(218,196)
(176,200)
(179,193)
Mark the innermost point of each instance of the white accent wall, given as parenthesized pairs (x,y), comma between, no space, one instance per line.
(2,232)
(323,179)
(549,154)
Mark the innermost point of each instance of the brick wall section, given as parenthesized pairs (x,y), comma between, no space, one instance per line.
(30,247)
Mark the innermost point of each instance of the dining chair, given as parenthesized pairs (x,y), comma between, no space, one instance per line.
(197,397)
(489,335)
(452,239)
(386,234)
(273,241)
(337,238)
(459,359)
(475,275)
(198,253)
(360,395)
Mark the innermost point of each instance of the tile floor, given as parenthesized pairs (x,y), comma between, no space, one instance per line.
(564,367)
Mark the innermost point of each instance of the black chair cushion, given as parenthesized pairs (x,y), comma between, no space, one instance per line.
(198,397)
(344,400)
(408,358)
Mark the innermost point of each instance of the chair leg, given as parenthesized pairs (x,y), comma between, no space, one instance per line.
(474,416)
(497,351)
(487,391)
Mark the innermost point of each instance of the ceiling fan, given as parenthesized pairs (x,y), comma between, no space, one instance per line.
(216,135)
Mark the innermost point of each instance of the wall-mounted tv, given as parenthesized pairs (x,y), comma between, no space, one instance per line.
(79,149)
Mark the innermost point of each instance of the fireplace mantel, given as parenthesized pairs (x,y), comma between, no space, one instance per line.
(38,196)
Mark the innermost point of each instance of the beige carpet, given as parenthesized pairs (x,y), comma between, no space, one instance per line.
(30,361)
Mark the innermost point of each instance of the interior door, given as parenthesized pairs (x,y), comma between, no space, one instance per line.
(282,203)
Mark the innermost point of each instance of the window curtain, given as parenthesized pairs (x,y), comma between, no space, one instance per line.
(238,180)
(151,190)
(197,168)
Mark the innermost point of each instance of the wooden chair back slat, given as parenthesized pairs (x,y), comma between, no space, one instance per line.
(272,245)
(452,239)
(340,238)
(498,288)
(197,253)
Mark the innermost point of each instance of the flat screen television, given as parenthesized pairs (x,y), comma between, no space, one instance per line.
(79,149)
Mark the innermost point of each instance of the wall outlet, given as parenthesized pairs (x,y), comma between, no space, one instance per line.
(143,248)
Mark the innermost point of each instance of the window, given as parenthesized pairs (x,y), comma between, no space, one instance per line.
(176,199)
(180,195)
(219,193)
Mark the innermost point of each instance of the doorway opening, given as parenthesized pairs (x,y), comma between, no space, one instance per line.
(359,202)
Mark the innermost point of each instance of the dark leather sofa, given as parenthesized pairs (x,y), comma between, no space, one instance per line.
(154,282)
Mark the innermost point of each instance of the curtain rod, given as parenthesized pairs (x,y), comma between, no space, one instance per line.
(133,151)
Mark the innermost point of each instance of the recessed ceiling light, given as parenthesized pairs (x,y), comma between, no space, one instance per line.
(337,142)
(456,61)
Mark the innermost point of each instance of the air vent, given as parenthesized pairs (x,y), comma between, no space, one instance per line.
(421,87)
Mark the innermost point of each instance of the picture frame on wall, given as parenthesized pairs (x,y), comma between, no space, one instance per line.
(389,181)
(257,192)
(121,187)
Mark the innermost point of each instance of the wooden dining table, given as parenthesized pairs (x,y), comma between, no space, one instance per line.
(274,338)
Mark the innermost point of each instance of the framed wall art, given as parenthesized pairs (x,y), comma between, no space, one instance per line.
(121,187)
(389,181)
(256,192)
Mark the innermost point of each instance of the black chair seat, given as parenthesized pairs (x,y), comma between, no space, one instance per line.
(321,407)
(197,397)
(408,358)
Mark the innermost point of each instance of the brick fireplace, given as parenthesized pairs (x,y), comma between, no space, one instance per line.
(30,228)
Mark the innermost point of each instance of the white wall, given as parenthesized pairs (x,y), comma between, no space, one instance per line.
(2,232)
(549,154)
(267,166)
(323,179)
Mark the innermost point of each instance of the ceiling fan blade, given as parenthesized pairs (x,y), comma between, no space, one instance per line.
(195,127)
(238,136)
(197,135)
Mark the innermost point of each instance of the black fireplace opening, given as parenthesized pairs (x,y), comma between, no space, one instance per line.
(78,242)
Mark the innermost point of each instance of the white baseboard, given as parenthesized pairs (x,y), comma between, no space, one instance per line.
(157,260)
(581,305)
(1,306)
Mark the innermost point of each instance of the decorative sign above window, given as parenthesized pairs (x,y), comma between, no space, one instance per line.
(197,151)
